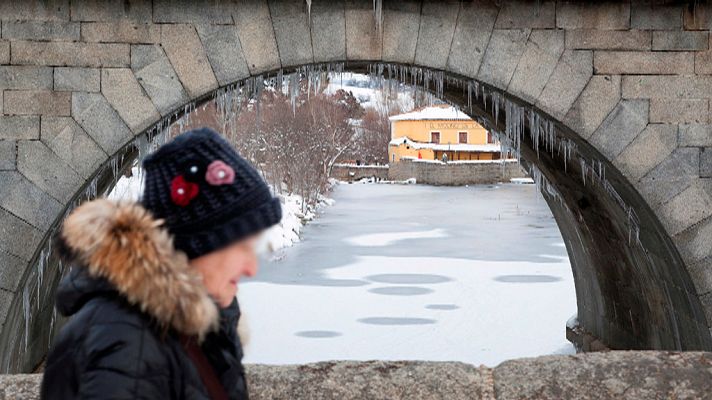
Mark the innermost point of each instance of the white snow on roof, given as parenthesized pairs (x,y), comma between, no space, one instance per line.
(433,113)
(487,148)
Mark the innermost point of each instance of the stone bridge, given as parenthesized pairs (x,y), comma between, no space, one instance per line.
(624,89)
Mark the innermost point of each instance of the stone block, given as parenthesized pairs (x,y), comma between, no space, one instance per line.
(121,32)
(194,11)
(698,135)
(293,39)
(530,14)
(72,144)
(259,45)
(642,63)
(122,90)
(706,163)
(155,73)
(592,39)
(19,127)
(183,47)
(698,17)
(28,201)
(597,100)
(437,26)
(647,150)
(622,125)
(689,207)
(569,78)
(38,10)
(328,31)
(703,61)
(688,86)
(17,237)
(4,52)
(11,270)
(673,175)
(71,54)
(540,57)
(224,51)
(96,116)
(400,35)
(25,77)
(655,17)
(77,79)
(363,41)
(601,16)
(8,155)
(34,102)
(503,52)
(45,169)
(700,271)
(472,34)
(98,10)
(40,30)
(680,40)
(683,111)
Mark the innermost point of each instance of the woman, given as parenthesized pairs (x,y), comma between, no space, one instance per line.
(152,291)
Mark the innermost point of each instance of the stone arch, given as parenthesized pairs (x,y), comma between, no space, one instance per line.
(630,85)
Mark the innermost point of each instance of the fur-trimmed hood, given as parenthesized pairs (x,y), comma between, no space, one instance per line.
(120,247)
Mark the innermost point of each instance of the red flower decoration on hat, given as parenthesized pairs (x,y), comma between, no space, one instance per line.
(219,173)
(182,191)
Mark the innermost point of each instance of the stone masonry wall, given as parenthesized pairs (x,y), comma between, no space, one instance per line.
(351,173)
(454,173)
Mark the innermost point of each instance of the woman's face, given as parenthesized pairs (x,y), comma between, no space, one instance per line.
(222,269)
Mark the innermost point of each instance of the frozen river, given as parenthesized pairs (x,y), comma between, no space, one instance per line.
(475,274)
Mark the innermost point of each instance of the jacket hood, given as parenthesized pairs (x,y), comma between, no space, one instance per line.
(120,247)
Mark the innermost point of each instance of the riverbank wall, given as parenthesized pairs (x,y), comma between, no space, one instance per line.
(455,173)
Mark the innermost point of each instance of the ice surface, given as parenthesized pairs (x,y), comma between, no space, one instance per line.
(388,238)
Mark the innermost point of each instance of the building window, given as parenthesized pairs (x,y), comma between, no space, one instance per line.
(463,137)
(490,139)
(435,137)
(394,157)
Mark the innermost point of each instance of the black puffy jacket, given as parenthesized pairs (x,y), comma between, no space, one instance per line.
(131,297)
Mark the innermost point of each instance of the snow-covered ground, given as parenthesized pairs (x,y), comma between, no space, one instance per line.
(367,92)
(476,274)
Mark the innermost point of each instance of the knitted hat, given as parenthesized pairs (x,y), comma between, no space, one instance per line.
(207,194)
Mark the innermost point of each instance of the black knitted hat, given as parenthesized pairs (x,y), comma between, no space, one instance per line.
(207,194)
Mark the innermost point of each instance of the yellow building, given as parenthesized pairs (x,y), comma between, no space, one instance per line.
(429,133)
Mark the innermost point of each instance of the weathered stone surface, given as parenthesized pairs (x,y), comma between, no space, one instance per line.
(40,30)
(97,10)
(11,269)
(695,247)
(77,79)
(25,77)
(69,141)
(688,86)
(19,127)
(328,31)
(621,126)
(580,15)
(706,162)
(695,135)
(27,201)
(254,27)
(703,62)
(597,100)
(649,149)
(542,53)
(569,78)
(4,52)
(155,73)
(660,17)
(689,207)
(195,11)
(8,154)
(400,34)
(19,238)
(125,95)
(531,14)
(363,42)
(673,175)
(222,46)
(71,54)
(635,62)
(33,102)
(38,10)
(679,110)
(291,30)
(701,271)
(502,56)
(45,169)
(94,113)
(183,47)
(698,17)
(680,40)
(472,34)
(607,40)
(124,31)
(437,26)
